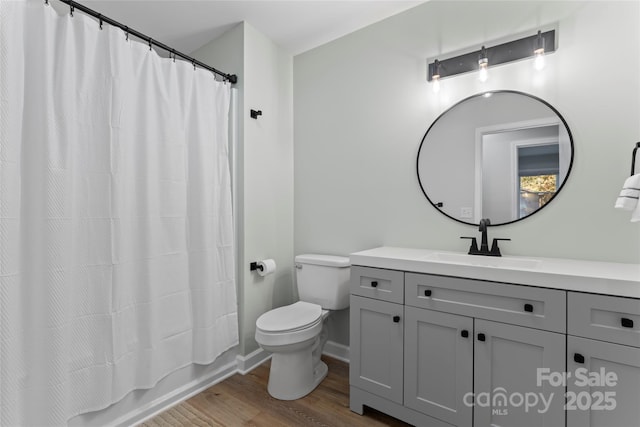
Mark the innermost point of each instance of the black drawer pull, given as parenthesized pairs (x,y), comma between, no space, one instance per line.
(427,292)
(396,319)
(626,323)
(578,358)
(481,337)
(374,284)
(528,308)
(464,333)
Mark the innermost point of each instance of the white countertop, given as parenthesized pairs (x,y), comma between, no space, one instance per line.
(607,278)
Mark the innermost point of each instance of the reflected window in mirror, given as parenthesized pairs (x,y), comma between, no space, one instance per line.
(538,169)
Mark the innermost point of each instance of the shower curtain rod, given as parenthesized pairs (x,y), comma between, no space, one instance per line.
(231,78)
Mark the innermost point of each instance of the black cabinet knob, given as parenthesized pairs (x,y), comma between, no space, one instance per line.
(626,323)
(427,292)
(464,333)
(396,319)
(578,358)
(528,308)
(374,284)
(482,337)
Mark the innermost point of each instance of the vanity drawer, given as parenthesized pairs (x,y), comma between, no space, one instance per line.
(387,285)
(515,304)
(606,318)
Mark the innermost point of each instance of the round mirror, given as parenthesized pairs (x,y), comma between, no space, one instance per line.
(501,155)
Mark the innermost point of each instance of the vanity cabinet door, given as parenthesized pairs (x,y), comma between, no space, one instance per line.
(438,367)
(507,359)
(376,351)
(590,405)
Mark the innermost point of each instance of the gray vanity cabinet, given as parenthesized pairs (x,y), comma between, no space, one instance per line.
(449,361)
(442,351)
(377,332)
(604,339)
(503,346)
(465,341)
(377,340)
(438,364)
(591,406)
(507,359)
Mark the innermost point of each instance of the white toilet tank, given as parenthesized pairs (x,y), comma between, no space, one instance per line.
(323,280)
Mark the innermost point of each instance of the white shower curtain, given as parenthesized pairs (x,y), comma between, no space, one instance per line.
(116,235)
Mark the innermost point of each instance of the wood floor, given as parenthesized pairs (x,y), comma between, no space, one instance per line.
(242,400)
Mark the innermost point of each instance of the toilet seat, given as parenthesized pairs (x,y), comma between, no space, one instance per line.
(290,318)
(289,325)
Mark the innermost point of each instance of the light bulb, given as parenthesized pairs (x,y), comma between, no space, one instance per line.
(435,78)
(483,64)
(538,62)
(483,74)
(436,84)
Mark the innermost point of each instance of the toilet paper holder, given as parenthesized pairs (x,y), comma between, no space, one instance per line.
(263,267)
(254,266)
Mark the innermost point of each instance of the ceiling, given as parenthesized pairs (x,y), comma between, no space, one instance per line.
(295,25)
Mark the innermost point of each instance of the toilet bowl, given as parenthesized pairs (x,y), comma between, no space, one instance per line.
(291,333)
(296,334)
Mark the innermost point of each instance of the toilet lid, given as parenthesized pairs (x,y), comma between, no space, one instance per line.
(290,317)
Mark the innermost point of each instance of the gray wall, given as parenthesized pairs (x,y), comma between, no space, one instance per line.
(362,105)
(264,169)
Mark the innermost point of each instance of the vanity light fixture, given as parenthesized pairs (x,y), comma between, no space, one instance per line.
(535,46)
(483,65)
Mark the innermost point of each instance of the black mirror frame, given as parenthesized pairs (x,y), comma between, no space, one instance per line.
(551,107)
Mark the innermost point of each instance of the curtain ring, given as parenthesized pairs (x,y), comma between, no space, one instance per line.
(126,33)
(193,61)
(150,43)
(173,51)
(71,8)
(100,19)
(46,2)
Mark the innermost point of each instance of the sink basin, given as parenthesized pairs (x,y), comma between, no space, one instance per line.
(484,261)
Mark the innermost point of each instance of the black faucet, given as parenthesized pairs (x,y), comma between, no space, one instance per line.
(484,242)
(484,245)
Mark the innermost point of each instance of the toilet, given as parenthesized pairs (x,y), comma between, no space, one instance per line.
(296,334)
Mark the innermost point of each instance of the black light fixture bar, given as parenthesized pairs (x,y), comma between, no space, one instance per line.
(231,78)
(499,54)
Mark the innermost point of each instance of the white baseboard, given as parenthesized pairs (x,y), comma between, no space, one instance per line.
(241,364)
(337,351)
(252,360)
(181,394)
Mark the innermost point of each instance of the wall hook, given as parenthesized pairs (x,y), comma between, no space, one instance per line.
(255,113)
